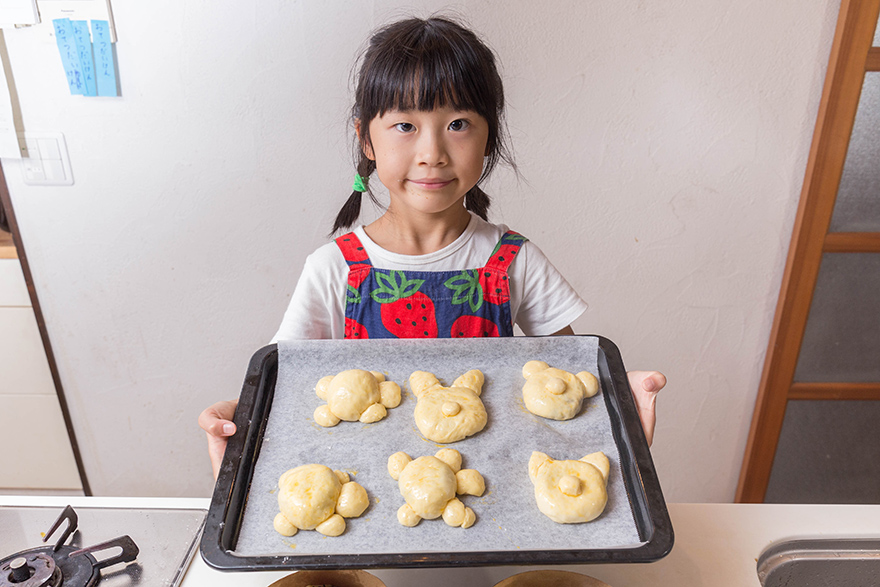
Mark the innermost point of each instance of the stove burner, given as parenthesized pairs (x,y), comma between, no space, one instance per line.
(52,566)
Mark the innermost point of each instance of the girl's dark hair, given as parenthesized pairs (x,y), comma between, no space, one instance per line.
(417,64)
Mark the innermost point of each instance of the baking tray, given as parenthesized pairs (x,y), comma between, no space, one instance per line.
(236,490)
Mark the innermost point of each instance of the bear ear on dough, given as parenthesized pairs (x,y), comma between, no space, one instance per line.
(355,395)
(570,492)
(556,394)
(315,497)
(448,414)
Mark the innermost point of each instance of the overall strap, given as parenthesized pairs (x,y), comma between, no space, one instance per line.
(353,250)
(506,250)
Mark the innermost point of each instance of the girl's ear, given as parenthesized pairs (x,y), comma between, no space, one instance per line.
(365,146)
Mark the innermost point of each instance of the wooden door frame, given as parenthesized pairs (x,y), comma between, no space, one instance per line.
(851,56)
(6,203)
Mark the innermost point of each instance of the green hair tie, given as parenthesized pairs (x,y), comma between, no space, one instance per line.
(360,183)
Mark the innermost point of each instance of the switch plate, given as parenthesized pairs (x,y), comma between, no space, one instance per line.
(44,158)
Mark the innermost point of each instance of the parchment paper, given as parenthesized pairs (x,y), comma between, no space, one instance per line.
(507,516)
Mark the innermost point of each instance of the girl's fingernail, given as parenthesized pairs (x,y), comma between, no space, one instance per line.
(228,428)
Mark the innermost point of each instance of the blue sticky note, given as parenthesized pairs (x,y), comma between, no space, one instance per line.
(83,41)
(69,56)
(105,68)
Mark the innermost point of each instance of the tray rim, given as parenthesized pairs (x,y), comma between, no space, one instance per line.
(233,484)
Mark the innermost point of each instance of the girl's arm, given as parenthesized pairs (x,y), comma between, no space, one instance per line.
(645,386)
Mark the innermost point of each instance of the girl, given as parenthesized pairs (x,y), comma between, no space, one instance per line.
(428,117)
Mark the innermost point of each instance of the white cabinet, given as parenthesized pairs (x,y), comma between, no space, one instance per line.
(34,446)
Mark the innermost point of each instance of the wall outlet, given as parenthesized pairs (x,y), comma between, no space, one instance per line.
(44,158)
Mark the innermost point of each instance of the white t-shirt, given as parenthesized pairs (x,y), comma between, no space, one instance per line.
(541,300)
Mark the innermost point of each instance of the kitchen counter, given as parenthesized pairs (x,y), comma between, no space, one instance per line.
(715,544)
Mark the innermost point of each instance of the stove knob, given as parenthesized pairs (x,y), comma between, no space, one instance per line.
(20,570)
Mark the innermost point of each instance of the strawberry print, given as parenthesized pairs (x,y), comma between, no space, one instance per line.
(357,273)
(351,248)
(495,290)
(473,327)
(354,329)
(406,312)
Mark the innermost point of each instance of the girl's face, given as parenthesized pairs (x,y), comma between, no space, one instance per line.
(428,160)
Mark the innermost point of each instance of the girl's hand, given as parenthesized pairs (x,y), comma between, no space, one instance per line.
(645,387)
(216,421)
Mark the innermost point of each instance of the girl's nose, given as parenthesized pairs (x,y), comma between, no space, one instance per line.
(432,150)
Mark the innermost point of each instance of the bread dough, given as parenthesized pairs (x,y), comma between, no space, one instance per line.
(315,497)
(554,393)
(355,395)
(429,485)
(448,414)
(570,492)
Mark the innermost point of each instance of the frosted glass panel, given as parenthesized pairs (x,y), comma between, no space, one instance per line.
(842,338)
(858,199)
(828,452)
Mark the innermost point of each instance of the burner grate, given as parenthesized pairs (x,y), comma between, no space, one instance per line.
(53,566)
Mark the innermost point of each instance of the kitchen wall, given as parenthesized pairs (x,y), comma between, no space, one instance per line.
(662,147)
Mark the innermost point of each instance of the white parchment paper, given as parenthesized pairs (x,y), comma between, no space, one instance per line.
(507,516)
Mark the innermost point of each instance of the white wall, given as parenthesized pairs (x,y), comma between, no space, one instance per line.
(663,146)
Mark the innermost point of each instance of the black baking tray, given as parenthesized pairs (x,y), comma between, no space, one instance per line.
(231,491)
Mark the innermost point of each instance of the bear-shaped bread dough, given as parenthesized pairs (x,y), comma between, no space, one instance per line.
(570,492)
(355,395)
(554,393)
(448,414)
(315,497)
(429,485)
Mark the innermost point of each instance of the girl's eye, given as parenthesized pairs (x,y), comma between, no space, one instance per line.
(404,127)
(458,125)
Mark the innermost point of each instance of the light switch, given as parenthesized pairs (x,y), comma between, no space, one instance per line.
(44,159)
(49,149)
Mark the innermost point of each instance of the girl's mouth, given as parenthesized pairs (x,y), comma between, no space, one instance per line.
(431,183)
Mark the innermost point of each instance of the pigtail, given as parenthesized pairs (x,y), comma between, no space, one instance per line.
(477,201)
(351,210)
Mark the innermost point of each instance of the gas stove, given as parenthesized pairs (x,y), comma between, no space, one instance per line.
(89,547)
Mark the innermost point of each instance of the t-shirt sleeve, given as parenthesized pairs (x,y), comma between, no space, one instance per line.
(548,302)
(315,310)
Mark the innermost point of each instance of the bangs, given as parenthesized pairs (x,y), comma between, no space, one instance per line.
(425,85)
(426,67)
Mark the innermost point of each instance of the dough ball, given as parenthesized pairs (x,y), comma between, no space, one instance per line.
(342,476)
(469,518)
(324,417)
(435,425)
(322,387)
(534,367)
(283,526)
(427,484)
(353,500)
(453,515)
(307,495)
(407,516)
(472,380)
(373,414)
(451,457)
(379,376)
(422,381)
(470,482)
(351,392)
(396,464)
(332,526)
(591,384)
(390,394)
